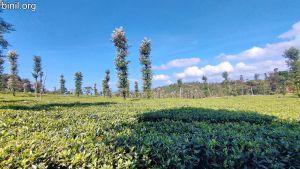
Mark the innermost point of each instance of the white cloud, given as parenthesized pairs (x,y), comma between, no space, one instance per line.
(192,72)
(161,77)
(259,67)
(270,65)
(222,67)
(293,33)
(242,67)
(195,71)
(269,51)
(185,62)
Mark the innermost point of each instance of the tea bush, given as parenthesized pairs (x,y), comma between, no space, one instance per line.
(210,115)
(95,132)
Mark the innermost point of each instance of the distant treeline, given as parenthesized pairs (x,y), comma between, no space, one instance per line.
(277,82)
(22,84)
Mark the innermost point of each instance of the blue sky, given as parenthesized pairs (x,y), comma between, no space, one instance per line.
(189,38)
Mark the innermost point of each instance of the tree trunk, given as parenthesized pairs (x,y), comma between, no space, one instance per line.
(124,95)
(36,86)
(180,92)
(41,92)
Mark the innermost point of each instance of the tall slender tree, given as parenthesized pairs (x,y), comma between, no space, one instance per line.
(283,82)
(62,82)
(95,89)
(274,79)
(4,28)
(78,83)
(255,84)
(120,41)
(267,84)
(226,83)
(206,88)
(136,89)
(105,84)
(256,76)
(37,69)
(12,82)
(242,84)
(179,84)
(1,72)
(241,78)
(145,61)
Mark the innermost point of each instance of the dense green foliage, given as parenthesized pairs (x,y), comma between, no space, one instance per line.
(94,132)
(121,43)
(292,56)
(145,61)
(293,61)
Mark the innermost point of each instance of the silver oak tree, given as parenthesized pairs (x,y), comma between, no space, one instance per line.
(121,43)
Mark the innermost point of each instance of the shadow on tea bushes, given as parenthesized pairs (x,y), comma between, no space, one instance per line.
(203,114)
(207,138)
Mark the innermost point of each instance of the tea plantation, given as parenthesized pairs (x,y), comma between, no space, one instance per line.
(96,132)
